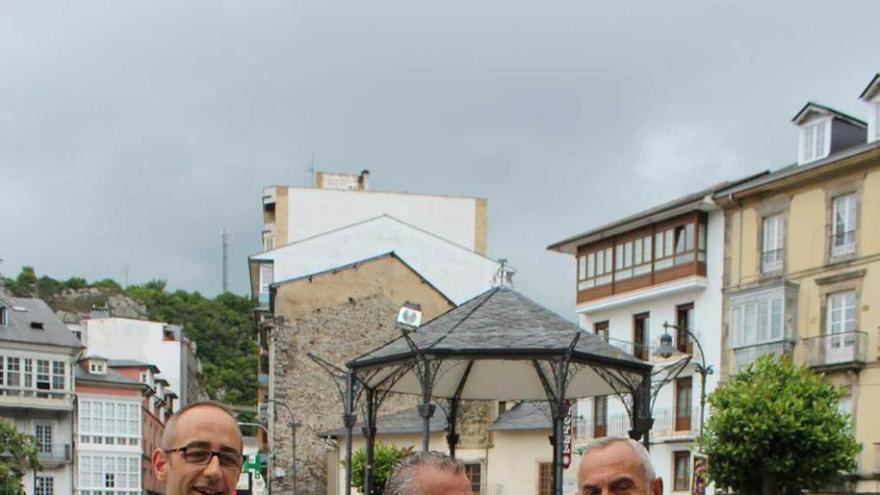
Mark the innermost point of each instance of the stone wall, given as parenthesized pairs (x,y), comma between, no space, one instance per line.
(337,334)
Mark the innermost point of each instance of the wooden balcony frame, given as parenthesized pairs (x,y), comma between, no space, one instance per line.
(656,276)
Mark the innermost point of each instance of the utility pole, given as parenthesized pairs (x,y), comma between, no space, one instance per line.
(225,235)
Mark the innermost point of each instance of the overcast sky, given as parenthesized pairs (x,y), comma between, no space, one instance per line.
(131,133)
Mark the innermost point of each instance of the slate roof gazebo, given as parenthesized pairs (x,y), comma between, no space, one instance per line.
(499,345)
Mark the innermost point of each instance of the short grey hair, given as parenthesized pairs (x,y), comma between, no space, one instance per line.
(639,449)
(403,479)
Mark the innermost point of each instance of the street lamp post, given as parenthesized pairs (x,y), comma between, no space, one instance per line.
(293,426)
(667,349)
(268,479)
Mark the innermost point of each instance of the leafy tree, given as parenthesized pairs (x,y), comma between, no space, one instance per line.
(384,459)
(107,283)
(23,449)
(223,328)
(23,285)
(75,283)
(776,428)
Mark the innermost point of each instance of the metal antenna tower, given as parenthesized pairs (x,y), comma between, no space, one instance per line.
(225,235)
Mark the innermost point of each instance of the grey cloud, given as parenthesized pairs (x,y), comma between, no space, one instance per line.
(130,134)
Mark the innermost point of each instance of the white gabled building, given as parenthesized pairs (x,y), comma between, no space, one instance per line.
(457,271)
(340,247)
(37,355)
(662,265)
(292,214)
(154,342)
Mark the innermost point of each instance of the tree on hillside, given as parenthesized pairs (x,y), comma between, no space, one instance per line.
(22,451)
(223,329)
(776,428)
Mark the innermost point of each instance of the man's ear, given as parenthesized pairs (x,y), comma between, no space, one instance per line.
(160,464)
(657,486)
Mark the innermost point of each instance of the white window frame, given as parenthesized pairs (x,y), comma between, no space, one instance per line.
(877,119)
(44,485)
(97,470)
(109,422)
(746,313)
(267,277)
(842,313)
(847,207)
(44,433)
(773,241)
(815,140)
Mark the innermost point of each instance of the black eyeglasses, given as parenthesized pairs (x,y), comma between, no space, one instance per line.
(203,456)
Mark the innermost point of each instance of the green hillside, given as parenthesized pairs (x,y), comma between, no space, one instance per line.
(222,326)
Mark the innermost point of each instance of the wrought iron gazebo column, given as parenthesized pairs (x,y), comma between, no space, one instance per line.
(452,420)
(559,412)
(454,408)
(648,421)
(642,422)
(426,409)
(370,437)
(348,419)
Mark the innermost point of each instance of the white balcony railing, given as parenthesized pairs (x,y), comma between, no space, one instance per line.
(771,260)
(643,351)
(745,355)
(666,425)
(54,453)
(11,396)
(843,243)
(836,349)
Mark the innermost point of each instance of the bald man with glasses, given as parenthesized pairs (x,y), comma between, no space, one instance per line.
(200,451)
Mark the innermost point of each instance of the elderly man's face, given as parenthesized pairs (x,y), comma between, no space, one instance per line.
(200,428)
(614,470)
(436,482)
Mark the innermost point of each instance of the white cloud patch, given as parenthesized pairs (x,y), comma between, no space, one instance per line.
(685,157)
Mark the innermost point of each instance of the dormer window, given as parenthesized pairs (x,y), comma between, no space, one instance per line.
(871,96)
(825,131)
(98,367)
(814,139)
(4,316)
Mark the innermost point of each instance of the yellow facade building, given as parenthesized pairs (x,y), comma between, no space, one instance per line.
(802,267)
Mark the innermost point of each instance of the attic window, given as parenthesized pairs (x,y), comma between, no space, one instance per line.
(815,142)
(38,325)
(97,367)
(2,316)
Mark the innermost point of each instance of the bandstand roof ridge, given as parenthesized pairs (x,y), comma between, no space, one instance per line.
(490,346)
(500,322)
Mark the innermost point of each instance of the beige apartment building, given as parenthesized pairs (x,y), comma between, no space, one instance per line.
(802,267)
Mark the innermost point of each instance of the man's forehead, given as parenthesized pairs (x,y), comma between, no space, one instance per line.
(205,425)
(609,461)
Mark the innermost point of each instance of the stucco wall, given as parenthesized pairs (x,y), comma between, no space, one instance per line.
(662,308)
(123,338)
(314,211)
(514,458)
(808,266)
